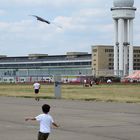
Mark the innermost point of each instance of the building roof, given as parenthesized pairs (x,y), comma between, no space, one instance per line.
(123,3)
(37,58)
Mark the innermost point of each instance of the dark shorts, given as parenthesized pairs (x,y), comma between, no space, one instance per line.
(36,91)
(42,136)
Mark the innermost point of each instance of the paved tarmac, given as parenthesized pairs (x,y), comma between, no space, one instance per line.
(78,120)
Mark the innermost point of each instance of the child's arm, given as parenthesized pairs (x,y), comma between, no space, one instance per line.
(30,118)
(54,124)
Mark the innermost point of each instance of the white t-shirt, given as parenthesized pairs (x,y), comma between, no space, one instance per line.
(46,121)
(109,81)
(36,85)
(85,81)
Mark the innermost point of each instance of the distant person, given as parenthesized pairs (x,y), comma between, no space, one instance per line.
(36,87)
(85,82)
(109,81)
(96,82)
(91,83)
(46,121)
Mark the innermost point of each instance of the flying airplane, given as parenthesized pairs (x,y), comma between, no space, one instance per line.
(44,20)
(41,19)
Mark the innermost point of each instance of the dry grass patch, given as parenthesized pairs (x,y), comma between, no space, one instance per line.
(118,92)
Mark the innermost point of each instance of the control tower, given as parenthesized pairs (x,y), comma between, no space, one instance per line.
(123,14)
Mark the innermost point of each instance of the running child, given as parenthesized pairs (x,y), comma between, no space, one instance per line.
(46,121)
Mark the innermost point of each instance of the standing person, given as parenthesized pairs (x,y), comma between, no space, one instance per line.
(85,82)
(91,83)
(46,121)
(36,86)
(109,81)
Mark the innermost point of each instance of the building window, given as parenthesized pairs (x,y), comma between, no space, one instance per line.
(110,59)
(94,50)
(108,50)
(110,55)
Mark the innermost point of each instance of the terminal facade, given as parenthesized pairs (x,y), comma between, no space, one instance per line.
(72,66)
(43,67)
(103,60)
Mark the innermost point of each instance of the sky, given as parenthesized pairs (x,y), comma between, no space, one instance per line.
(84,23)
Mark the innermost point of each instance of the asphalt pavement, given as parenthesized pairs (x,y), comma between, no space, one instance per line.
(78,120)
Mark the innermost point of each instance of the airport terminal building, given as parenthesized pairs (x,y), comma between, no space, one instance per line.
(72,66)
(43,67)
(103,60)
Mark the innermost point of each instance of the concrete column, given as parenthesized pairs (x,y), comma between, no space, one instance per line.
(121,47)
(131,46)
(116,48)
(126,47)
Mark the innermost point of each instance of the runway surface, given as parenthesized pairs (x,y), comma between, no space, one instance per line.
(78,120)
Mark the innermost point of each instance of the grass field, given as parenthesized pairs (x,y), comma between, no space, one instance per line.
(115,92)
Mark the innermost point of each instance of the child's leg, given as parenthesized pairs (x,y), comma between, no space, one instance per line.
(36,94)
(43,136)
(37,98)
